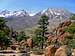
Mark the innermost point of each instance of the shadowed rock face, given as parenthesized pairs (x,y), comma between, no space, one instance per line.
(55,17)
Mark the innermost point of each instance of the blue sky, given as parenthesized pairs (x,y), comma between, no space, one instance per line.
(37,5)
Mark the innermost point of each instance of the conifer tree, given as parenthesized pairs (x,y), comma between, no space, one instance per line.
(41,30)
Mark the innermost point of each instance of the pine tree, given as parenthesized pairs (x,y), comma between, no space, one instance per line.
(4,32)
(41,30)
(43,24)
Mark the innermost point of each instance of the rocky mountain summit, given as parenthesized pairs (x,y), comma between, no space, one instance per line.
(22,19)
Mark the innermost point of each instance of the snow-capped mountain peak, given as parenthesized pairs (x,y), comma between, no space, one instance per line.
(19,13)
(43,11)
(32,14)
(51,12)
(55,13)
(27,20)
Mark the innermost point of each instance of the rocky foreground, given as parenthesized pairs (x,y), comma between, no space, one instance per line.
(57,48)
(60,36)
(59,42)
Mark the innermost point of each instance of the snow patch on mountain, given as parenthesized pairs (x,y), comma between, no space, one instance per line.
(28,20)
(19,13)
(43,11)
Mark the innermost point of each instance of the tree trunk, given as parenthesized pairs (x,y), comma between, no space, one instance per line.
(41,45)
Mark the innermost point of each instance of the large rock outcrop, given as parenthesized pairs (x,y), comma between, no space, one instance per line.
(30,42)
(50,50)
(63,51)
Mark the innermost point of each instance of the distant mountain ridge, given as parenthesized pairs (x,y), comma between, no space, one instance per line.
(20,13)
(21,19)
(56,16)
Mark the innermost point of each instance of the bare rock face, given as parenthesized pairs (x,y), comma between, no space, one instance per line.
(50,37)
(60,29)
(63,51)
(73,52)
(30,42)
(50,50)
(67,23)
(63,36)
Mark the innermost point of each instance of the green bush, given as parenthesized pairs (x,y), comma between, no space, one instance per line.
(4,40)
(72,17)
(21,36)
(70,29)
(70,41)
